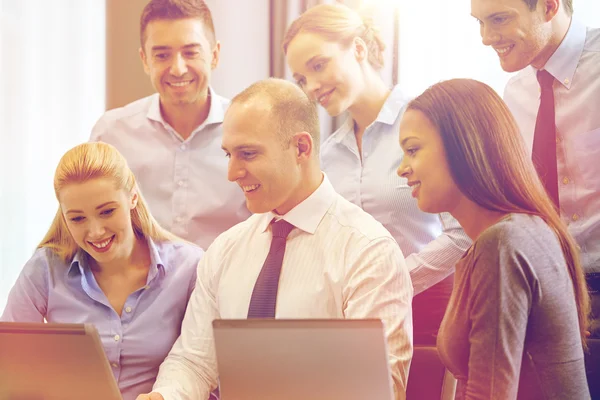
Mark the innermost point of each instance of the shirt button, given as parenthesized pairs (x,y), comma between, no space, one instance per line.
(114,365)
(181,183)
(566,180)
(127,309)
(183,147)
(117,337)
(566,81)
(575,217)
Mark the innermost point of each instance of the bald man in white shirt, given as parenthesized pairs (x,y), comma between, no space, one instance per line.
(339,262)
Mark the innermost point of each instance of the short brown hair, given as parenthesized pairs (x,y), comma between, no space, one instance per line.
(177,9)
(293,110)
(568,4)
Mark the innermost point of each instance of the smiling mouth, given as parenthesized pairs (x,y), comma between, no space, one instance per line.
(180,84)
(102,244)
(249,188)
(415,188)
(324,98)
(503,51)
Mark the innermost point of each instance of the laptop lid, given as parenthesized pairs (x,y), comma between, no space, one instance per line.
(302,359)
(53,362)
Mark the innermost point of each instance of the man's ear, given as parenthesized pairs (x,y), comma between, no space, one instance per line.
(304,145)
(551,8)
(144,61)
(216,54)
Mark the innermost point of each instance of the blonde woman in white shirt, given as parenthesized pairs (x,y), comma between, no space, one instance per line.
(335,56)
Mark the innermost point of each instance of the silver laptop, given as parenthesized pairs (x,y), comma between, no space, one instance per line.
(53,362)
(302,359)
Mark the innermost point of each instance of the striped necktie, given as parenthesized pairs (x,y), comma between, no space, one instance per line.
(264,295)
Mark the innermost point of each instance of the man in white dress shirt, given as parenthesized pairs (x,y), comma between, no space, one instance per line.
(172,138)
(339,262)
(541,38)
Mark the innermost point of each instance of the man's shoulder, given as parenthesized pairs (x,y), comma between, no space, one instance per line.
(237,232)
(519,81)
(128,112)
(220,100)
(355,221)
(592,40)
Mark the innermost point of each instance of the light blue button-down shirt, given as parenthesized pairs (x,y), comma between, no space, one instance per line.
(576,67)
(184,182)
(431,243)
(136,342)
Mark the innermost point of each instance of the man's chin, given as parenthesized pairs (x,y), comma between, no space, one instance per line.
(257,208)
(511,66)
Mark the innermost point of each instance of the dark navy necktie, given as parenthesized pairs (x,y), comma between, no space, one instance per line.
(264,295)
(544,139)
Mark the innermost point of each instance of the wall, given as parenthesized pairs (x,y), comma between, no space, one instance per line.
(125,77)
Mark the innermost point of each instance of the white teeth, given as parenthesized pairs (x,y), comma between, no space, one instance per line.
(503,49)
(249,188)
(322,98)
(102,245)
(417,184)
(180,84)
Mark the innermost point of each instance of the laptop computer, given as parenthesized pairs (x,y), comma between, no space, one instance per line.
(271,359)
(54,362)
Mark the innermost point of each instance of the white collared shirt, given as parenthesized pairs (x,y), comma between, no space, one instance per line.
(576,67)
(339,262)
(183,181)
(431,243)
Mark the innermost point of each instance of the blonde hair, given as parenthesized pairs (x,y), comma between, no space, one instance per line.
(339,23)
(92,161)
(487,159)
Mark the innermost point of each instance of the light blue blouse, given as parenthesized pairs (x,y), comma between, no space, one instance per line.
(431,243)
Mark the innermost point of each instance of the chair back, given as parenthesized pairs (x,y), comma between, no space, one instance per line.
(428,378)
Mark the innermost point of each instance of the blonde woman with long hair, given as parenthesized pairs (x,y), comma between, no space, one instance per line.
(106,261)
(335,55)
(516,323)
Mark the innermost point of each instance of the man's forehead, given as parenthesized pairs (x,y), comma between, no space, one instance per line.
(484,8)
(179,31)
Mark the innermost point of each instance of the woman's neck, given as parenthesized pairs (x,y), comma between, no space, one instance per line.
(368,105)
(475,219)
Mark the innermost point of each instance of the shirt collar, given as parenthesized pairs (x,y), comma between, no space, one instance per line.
(80,262)
(308,214)
(563,63)
(216,113)
(392,108)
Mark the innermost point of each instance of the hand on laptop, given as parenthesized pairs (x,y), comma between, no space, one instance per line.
(150,396)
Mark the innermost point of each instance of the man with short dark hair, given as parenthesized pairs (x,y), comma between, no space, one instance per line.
(172,138)
(555,99)
(305,253)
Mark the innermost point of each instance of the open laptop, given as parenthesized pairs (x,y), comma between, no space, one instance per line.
(53,362)
(324,359)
